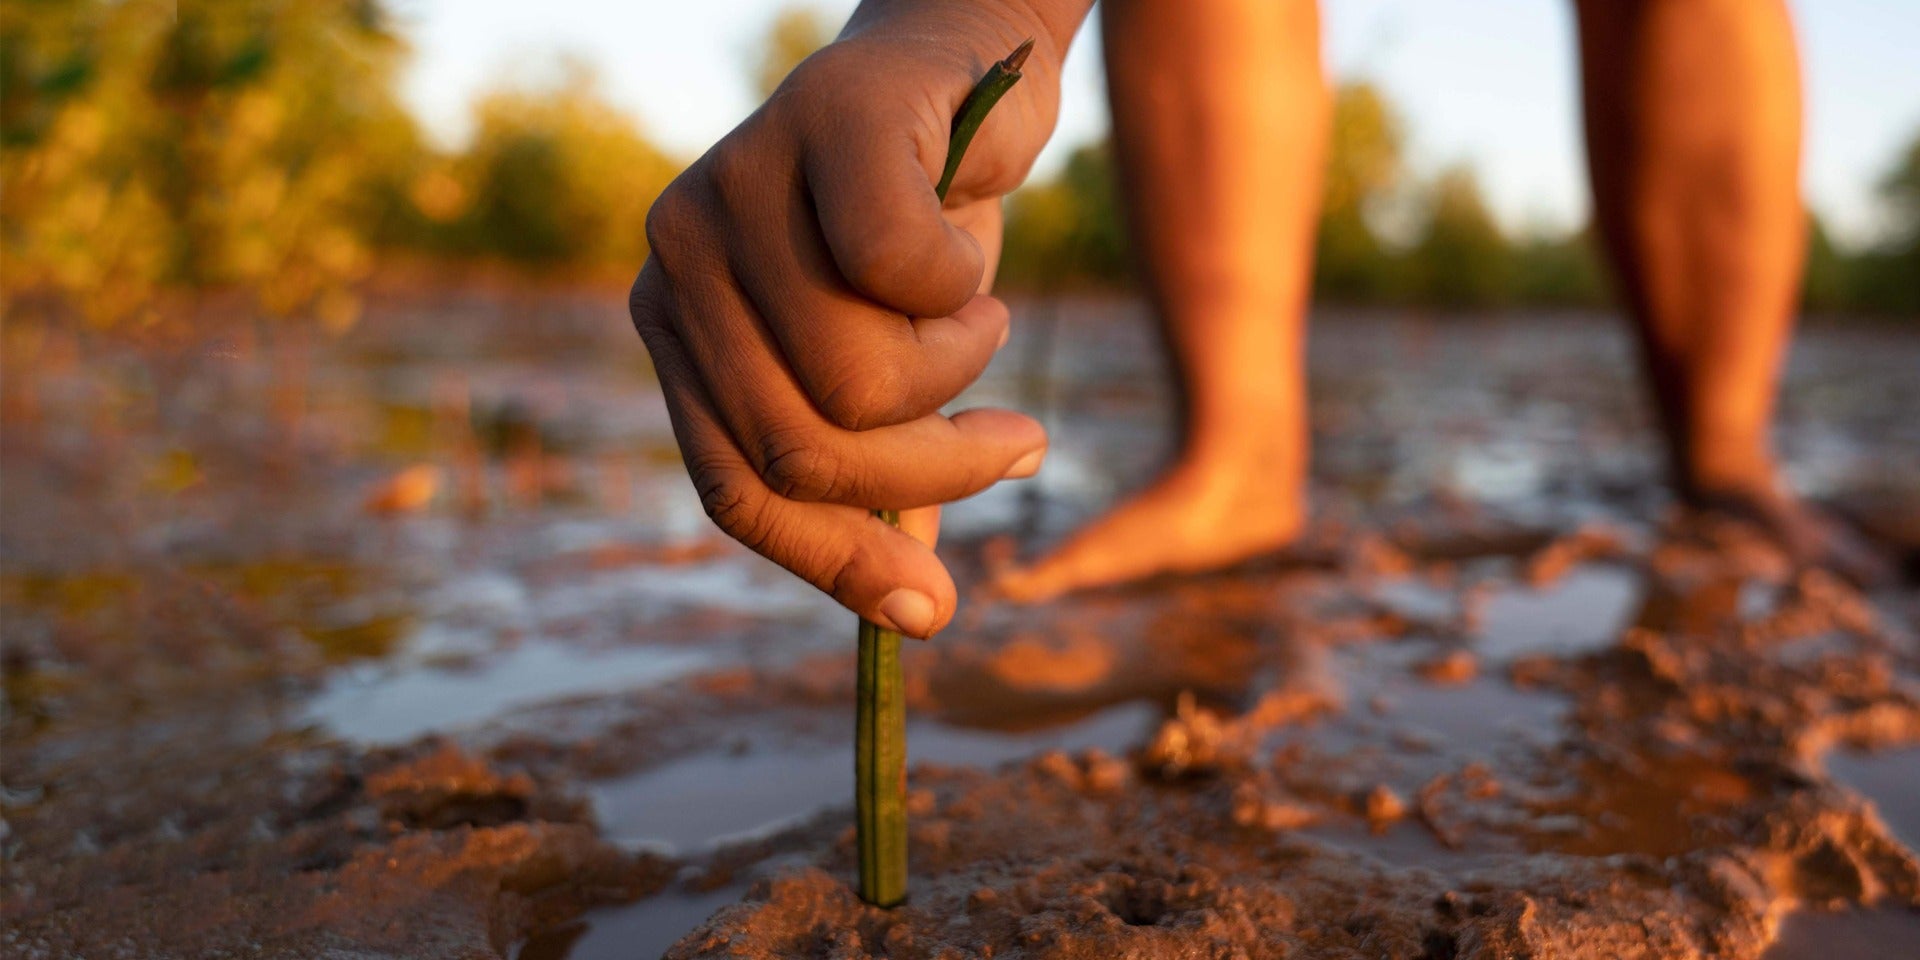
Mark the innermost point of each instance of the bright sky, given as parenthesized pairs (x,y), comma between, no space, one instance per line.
(1490,81)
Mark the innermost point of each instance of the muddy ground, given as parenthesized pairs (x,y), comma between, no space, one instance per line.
(413,643)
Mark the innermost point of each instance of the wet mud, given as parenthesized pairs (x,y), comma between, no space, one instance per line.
(414,644)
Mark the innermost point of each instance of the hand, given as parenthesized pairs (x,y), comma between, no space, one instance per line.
(809,306)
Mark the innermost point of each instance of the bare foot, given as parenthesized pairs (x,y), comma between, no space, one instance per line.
(1807,534)
(1195,517)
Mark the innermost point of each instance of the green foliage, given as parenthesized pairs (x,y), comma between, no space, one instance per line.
(1067,232)
(1350,264)
(1884,279)
(1365,149)
(1890,275)
(149,147)
(554,177)
(1900,187)
(1827,283)
(1558,271)
(1462,259)
(1886,282)
(146,145)
(1364,169)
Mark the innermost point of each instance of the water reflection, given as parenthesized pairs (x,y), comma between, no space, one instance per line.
(384,706)
(1890,932)
(640,930)
(1889,778)
(713,798)
(1584,611)
(1659,806)
(154,501)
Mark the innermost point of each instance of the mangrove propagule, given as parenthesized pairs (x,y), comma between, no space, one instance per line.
(880,732)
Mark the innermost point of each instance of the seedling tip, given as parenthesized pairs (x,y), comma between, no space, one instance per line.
(1018,58)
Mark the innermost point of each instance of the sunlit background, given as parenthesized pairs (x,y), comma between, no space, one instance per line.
(295,153)
(1486,82)
(354,598)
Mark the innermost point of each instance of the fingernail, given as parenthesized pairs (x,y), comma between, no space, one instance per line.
(1026,466)
(910,610)
(1005,333)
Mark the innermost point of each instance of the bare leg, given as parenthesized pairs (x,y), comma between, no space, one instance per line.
(1219,114)
(1693,142)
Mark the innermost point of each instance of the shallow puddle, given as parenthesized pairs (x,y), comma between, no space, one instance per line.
(1656,806)
(1889,778)
(710,799)
(706,801)
(641,930)
(1872,933)
(1438,724)
(551,578)
(1582,612)
(1472,717)
(385,705)
(1403,845)
(1417,599)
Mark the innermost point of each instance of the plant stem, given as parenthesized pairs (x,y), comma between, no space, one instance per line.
(880,764)
(880,724)
(973,111)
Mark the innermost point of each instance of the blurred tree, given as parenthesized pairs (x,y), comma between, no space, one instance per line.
(1350,265)
(1558,270)
(146,145)
(1828,284)
(1067,232)
(794,34)
(554,176)
(1363,169)
(149,146)
(1889,276)
(1461,260)
(1900,186)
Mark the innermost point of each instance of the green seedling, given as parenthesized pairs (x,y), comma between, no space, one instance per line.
(880,732)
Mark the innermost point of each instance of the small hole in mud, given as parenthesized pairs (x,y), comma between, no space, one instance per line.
(1439,945)
(1136,909)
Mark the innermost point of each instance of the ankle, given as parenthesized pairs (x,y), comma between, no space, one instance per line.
(1259,453)
(1709,472)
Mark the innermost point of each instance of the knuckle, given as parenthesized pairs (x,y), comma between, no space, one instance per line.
(826,71)
(671,222)
(822,565)
(797,467)
(730,504)
(646,303)
(733,173)
(839,571)
(655,328)
(874,395)
(640,307)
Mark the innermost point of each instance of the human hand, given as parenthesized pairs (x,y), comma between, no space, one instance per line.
(810,305)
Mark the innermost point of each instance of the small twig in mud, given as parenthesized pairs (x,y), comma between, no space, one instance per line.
(880,732)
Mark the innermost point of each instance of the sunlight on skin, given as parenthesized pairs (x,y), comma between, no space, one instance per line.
(1693,120)
(1220,129)
(1693,117)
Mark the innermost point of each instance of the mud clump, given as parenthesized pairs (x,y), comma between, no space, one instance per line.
(1452,667)
(377,867)
(1365,750)
(448,788)
(1673,813)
